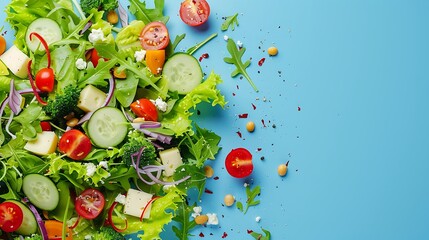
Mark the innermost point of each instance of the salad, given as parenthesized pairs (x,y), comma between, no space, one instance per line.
(97,139)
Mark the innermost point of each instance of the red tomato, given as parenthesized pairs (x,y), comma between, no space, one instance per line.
(46,126)
(238,163)
(144,108)
(194,12)
(90,203)
(154,36)
(75,144)
(11,216)
(94,57)
(45,79)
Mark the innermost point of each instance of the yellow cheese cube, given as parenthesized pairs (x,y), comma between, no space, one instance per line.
(171,159)
(16,61)
(46,143)
(135,203)
(91,98)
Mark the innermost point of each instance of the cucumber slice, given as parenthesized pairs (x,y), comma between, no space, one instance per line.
(183,73)
(29,224)
(107,127)
(45,27)
(41,191)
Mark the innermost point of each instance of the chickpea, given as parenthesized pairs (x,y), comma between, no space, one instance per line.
(72,122)
(208,170)
(282,169)
(201,219)
(139,120)
(229,200)
(250,126)
(272,51)
(112,17)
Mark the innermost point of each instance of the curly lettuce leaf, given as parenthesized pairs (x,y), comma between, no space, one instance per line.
(128,39)
(178,119)
(148,15)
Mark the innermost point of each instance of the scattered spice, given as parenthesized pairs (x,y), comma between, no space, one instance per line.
(243,115)
(249,231)
(254,107)
(204,55)
(259,149)
(239,134)
(263,122)
(224,235)
(299,108)
(201,234)
(216,178)
(208,191)
(261,61)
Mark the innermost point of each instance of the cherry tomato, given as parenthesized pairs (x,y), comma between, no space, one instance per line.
(154,36)
(45,79)
(46,126)
(94,57)
(144,108)
(11,216)
(75,144)
(194,12)
(2,45)
(238,163)
(90,203)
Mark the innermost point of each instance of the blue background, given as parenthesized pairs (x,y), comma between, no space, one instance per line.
(358,71)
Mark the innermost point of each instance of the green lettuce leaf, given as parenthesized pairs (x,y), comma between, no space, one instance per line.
(148,15)
(185,223)
(128,39)
(178,119)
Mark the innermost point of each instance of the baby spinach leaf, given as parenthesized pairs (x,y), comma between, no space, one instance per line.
(236,55)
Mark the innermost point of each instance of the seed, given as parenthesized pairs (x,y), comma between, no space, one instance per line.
(229,200)
(282,169)
(272,51)
(250,126)
(208,170)
(112,17)
(72,122)
(201,219)
(138,120)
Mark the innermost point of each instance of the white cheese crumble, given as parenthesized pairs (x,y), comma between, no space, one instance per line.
(88,237)
(245,184)
(90,169)
(139,55)
(104,165)
(258,219)
(225,37)
(80,64)
(96,35)
(121,198)
(160,104)
(239,44)
(213,220)
(197,211)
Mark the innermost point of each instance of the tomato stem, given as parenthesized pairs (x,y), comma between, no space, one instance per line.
(45,45)
(33,85)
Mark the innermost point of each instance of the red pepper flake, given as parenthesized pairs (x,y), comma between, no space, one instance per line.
(208,191)
(254,107)
(243,115)
(239,134)
(299,108)
(224,235)
(216,178)
(204,55)
(249,231)
(261,61)
(201,234)
(263,123)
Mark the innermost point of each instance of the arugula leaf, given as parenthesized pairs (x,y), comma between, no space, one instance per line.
(251,195)
(182,217)
(259,236)
(230,21)
(197,180)
(97,76)
(193,49)
(172,46)
(148,15)
(236,55)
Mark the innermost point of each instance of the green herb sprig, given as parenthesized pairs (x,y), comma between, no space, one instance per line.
(230,22)
(251,195)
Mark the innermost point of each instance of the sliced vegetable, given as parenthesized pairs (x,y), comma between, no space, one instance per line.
(110,218)
(238,163)
(75,144)
(147,207)
(45,77)
(55,230)
(144,108)
(194,12)
(16,61)
(11,216)
(154,36)
(40,222)
(41,191)
(33,85)
(183,73)
(155,60)
(90,203)
(47,28)
(29,223)
(107,127)
(2,45)
(46,126)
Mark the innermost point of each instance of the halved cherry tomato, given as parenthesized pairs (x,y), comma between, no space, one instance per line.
(90,203)
(238,163)
(155,60)
(11,216)
(75,144)
(194,12)
(46,126)
(55,230)
(154,36)
(94,57)
(144,108)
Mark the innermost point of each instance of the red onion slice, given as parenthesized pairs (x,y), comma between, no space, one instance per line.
(15,99)
(123,15)
(40,222)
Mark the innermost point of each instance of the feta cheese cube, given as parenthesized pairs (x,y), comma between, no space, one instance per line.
(135,203)
(44,144)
